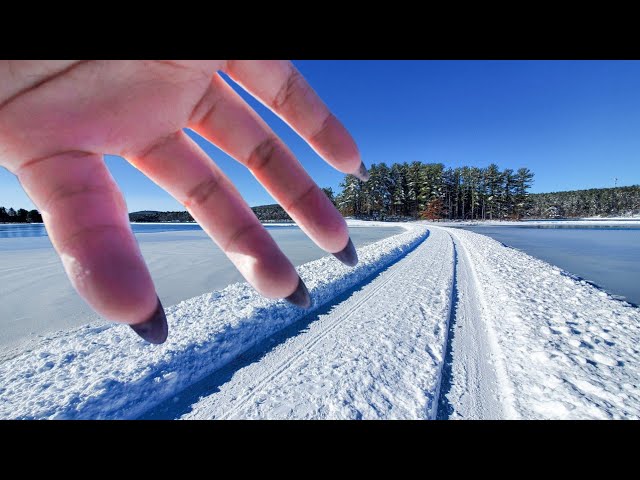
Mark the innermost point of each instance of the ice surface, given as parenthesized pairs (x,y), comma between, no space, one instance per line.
(37,299)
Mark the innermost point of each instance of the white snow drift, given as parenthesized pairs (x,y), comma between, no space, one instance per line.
(528,341)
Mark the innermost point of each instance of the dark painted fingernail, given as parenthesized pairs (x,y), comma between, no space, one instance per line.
(155,329)
(300,298)
(362,173)
(348,255)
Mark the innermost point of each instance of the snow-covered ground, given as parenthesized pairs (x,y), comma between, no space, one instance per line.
(377,354)
(560,347)
(631,217)
(524,340)
(579,222)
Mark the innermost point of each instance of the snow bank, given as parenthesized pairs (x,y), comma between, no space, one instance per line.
(107,372)
(569,350)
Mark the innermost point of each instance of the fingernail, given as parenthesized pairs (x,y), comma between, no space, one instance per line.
(155,329)
(362,173)
(300,297)
(348,255)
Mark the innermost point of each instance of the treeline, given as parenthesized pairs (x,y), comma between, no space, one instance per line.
(19,216)
(275,213)
(432,191)
(160,217)
(271,213)
(265,213)
(606,202)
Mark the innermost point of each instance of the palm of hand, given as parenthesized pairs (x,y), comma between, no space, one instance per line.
(57,119)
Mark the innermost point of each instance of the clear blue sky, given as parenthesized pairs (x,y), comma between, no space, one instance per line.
(575,124)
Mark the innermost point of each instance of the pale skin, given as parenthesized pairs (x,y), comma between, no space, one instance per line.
(58,119)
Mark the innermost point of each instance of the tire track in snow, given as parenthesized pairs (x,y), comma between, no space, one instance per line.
(480,386)
(445,408)
(290,362)
(470,388)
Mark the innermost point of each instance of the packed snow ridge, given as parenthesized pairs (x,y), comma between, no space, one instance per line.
(433,323)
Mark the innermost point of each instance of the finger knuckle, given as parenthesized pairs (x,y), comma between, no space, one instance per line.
(264,153)
(202,192)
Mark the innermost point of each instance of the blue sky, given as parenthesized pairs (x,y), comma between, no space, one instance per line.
(575,124)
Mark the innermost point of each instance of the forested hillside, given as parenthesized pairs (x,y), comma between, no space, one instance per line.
(606,202)
(153,216)
(265,213)
(430,190)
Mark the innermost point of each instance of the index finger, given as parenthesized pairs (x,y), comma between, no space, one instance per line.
(282,88)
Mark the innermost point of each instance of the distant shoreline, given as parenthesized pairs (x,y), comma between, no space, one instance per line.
(443,220)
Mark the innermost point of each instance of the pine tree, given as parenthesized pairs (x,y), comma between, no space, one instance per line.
(385,189)
(414,186)
(328,191)
(493,182)
(507,193)
(523,181)
(398,187)
(34,217)
(21,215)
(349,199)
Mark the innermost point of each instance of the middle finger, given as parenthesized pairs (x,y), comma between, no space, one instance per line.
(225,119)
(179,166)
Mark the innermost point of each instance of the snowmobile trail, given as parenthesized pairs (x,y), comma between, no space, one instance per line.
(471,389)
(377,354)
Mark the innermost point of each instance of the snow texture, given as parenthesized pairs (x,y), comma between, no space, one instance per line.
(562,348)
(376,355)
(108,372)
(522,339)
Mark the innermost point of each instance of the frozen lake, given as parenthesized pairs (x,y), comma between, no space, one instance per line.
(608,256)
(36,297)
(24,230)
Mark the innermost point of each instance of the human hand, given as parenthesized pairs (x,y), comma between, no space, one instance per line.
(58,118)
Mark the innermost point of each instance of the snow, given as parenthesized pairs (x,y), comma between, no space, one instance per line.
(471,385)
(377,354)
(108,372)
(563,348)
(433,323)
(628,217)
